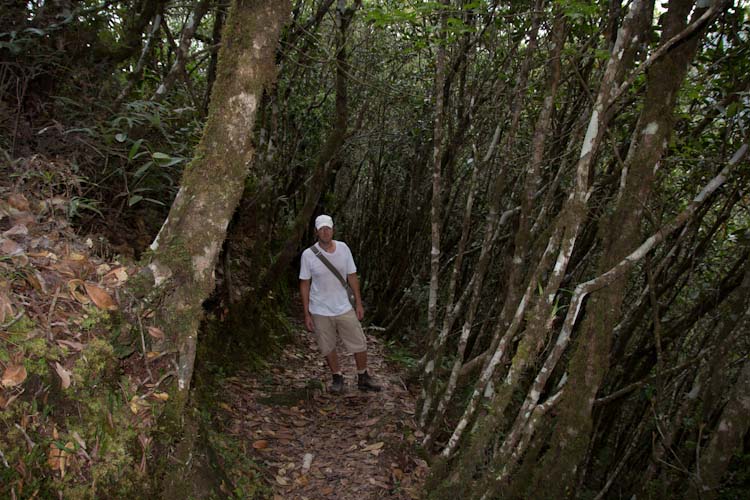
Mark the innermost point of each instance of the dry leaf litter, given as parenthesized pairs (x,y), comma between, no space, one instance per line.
(317,445)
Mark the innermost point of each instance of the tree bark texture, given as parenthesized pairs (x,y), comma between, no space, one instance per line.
(186,249)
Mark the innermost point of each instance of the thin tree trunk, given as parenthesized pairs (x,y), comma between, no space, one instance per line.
(590,361)
(510,452)
(569,222)
(727,438)
(437,189)
(490,235)
(336,138)
(219,18)
(186,38)
(137,72)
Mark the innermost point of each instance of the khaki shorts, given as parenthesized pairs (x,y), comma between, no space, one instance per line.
(348,328)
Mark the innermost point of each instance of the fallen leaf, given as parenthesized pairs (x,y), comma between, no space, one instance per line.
(156,333)
(373,447)
(36,280)
(379,484)
(6,307)
(14,375)
(44,254)
(152,354)
(10,247)
(53,457)
(116,276)
(101,298)
(307,462)
(261,444)
(74,289)
(23,218)
(371,422)
(161,396)
(282,480)
(19,202)
(64,457)
(76,346)
(397,473)
(64,375)
(225,406)
(17,230)
(5,403)
(136,403)
(80,440)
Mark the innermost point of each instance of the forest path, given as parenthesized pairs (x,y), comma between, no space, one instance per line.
(316,445)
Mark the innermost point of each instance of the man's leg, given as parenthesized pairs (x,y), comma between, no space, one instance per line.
(325,330)
(354,340)
(333,362)
(360,358)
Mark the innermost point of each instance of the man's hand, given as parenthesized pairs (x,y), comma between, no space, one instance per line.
(360,312)
(309,323)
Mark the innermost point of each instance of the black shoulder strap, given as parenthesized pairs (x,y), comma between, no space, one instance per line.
(328,264)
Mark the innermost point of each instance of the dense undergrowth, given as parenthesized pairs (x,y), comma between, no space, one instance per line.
(82,390)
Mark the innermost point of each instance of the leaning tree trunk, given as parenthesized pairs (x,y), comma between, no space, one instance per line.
(590,361)
(187,247)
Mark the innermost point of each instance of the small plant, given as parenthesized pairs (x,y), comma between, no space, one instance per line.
(399,354)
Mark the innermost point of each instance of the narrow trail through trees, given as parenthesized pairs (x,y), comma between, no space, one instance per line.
(316,445)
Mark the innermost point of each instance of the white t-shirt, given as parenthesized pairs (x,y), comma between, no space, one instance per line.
(327,294)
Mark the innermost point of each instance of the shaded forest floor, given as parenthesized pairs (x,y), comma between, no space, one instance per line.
(317,445)
(60,365)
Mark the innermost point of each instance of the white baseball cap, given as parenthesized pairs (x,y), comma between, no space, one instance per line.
(323,220)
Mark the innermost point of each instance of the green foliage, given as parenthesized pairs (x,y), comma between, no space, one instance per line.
(79,204)
(400,354)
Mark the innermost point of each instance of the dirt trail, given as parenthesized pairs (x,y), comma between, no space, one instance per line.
(316,445)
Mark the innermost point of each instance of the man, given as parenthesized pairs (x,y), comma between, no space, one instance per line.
(328,311)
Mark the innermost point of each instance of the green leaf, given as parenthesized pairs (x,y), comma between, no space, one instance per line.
(164,160)
(134,199)
(121,137)
(142,170)
(134,149)
(35,31)
(157,202)
(732,109)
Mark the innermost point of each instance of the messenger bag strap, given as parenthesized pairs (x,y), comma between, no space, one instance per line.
(328,264)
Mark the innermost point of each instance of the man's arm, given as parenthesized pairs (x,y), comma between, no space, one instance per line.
(354,283)
(304,291)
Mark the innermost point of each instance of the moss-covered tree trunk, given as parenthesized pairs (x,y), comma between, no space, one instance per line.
(187,247)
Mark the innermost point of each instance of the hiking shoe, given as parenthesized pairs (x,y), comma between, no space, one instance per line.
(338,384)
(366,383)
